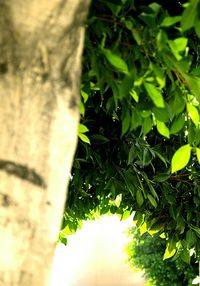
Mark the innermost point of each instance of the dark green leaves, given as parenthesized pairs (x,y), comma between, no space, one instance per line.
(189,15)
(140,109)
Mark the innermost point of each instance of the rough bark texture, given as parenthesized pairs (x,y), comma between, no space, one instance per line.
(40,55)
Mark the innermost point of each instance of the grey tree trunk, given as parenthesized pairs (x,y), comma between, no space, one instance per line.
(41,44)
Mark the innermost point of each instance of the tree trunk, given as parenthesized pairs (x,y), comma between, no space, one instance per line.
(40,61)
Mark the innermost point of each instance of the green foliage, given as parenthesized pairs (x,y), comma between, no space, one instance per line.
(146,253)
(140,109)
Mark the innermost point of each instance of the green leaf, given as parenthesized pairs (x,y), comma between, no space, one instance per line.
(155,94)
(126,120)
(84,138)
(169,252)
(161,177)
(145,113)
(136,36)
(189,16)
(198,154)
(99,139)
(197,24)
(134,95)
(162,129)
(83,128)
(177,104)
(152,200)
(169,21)
(190,238)
(177,46)
(82,108)
(131,154)
(193,114)
(177,124)
(136,119)
(62,238)
(116,61)
(161,114)
(185,256)
(181,158)
(143,228)
(84,96)
(196,229)
(146,125)
(138,218)
(193,83)
(139,197)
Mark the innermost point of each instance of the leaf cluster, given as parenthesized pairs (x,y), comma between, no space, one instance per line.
(146,253)
(140,134)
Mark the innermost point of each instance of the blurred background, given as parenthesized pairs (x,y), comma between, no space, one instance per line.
(95,256)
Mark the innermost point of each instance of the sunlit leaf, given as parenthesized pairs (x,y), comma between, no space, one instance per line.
(84,138)
(83,128)
(169,253)
(169,21)
(177,46)
(198,154)
(116,61)
(162,129)
(181,158)
(155,94)
(193,113)
(134,95)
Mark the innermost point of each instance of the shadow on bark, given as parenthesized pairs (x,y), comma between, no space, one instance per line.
(23,172)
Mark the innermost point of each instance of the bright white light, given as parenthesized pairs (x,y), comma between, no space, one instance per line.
(95,256)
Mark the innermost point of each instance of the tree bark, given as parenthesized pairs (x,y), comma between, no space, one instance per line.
(40,61)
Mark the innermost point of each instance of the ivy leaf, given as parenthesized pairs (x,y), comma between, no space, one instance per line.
(154,94)
(162,128)
(181,158)
(116,61)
